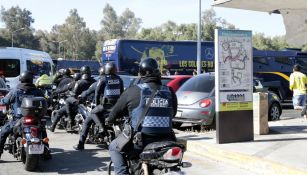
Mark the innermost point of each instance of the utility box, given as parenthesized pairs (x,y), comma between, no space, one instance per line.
(260,112)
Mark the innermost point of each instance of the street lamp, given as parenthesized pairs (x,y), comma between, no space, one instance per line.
(59,46)
(13,35)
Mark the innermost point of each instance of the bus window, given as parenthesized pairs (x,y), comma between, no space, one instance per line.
(10,67)
(302,62)
(39,67)
(283,60)
(261,60)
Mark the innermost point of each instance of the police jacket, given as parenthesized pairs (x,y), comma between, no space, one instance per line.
(65,88)
(15,96)
(64,81)
(130,100)
(89,92)
(82,85)
(109,87)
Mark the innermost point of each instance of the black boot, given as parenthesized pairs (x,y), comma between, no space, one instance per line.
(52,127)
(79,146)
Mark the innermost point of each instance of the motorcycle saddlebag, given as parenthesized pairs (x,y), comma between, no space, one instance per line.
(36,106)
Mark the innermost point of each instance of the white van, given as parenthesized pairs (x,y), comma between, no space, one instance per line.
(14,61)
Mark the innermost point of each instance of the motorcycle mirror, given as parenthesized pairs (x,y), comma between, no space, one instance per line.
(186,164)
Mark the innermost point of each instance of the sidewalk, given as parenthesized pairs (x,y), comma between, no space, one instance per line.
(283,151)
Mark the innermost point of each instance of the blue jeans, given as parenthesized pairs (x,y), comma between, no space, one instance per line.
(117,157)
(299,100)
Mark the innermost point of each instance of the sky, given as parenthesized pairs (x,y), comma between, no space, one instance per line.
(152,12)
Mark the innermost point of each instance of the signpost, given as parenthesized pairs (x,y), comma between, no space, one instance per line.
(234,85)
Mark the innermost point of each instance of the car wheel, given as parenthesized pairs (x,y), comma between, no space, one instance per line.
(274,112)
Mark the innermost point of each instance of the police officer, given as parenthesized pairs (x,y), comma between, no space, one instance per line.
(157,124)
(71,102)
(14,98)
(108,90)
(66,78)
(68,87)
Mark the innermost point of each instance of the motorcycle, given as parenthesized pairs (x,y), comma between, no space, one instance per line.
(157,158)
(28,143)
(110,131)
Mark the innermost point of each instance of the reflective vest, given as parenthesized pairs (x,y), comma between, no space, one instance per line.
(43,80)
(158,119)
(112,87)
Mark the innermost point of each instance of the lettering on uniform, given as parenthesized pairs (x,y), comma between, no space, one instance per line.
(113,81)
(158,102)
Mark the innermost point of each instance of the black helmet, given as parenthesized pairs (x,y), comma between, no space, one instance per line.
(110,68)
(101,71)
(26,77)
(66,72)
(85,70)
(149,67)
(77,76)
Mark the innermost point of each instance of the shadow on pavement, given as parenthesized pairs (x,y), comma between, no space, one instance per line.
(71,162)
(299,129)
(194,137)
(284,139)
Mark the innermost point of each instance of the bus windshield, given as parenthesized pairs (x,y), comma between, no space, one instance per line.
(39,67)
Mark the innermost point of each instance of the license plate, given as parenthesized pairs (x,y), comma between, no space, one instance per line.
(36,149)
(178,114)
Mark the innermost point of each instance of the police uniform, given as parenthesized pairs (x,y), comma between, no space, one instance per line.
(108,90)
(157,123)
(14,98)
(71,102)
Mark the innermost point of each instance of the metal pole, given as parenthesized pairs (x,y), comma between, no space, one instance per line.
(59,50)
(199,41)
(12,39)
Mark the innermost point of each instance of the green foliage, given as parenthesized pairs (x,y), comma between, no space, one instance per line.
(261,42)
(18,23)
(74,40)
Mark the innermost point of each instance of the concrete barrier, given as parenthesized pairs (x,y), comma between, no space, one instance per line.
(260,112)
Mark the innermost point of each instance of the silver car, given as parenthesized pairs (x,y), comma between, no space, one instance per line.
(196,102)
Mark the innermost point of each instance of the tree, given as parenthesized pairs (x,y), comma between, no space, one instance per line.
(111,28)
(78,41)
(16,18)
(124,26)
(261,42)
(129,24)
(210,22)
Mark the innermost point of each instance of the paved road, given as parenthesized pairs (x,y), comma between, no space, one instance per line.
(95,159)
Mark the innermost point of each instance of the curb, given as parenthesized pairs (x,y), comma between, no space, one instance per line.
(249,162)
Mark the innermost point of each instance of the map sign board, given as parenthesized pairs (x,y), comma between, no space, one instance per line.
(234,74)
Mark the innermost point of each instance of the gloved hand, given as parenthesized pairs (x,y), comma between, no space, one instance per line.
(108,121)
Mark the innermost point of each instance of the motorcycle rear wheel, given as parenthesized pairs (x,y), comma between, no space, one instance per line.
(31,162)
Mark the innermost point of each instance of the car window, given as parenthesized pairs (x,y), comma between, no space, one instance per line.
(183,81)
(10,67)
(201,83)
(39,67)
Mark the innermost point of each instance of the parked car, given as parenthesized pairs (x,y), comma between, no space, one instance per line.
(175,81)
(196,101)
(3,91)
